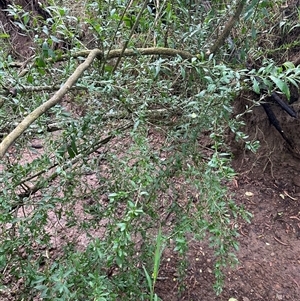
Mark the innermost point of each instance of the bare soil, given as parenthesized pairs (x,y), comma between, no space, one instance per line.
(268,186)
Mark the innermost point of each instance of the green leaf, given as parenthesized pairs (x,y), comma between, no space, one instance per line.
(281,85)
(249,10)
(72,149)
(182,70)
(4,36)
(108,68)
(268,84)
(40,62)
(289,65)
(21,25)
(149,282)
(55,39)
(51,53)
(61,151)
(29,79)
(122,226)
(158,252)
(129,21)
(256,87)
(291,80)
(45,49)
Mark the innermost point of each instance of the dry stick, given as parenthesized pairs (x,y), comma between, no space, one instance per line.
(134,52)
(150,51)
(220,41)
(117,52)
(14,91)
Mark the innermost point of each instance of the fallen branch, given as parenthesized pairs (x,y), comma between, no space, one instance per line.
(91,55)
(34,115)
(115,53)
(131,52)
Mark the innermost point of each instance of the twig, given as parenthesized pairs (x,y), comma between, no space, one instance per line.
(130,35)
(282,243)
(295,217)
(294,199)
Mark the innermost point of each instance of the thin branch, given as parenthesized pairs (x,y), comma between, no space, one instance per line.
(113,54)
(48,88)
(130,35)
(224,35)
(150,51)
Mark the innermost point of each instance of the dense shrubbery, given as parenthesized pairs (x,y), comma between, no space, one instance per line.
(122,166)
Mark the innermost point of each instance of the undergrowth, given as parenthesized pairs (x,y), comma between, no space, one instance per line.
(99,186)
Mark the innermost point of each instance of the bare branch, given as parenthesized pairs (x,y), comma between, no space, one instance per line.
(224,35)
